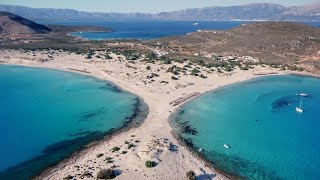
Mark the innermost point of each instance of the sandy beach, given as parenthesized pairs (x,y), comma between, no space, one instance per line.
(153,140)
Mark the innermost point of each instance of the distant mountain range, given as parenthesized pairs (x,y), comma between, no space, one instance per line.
(251,12)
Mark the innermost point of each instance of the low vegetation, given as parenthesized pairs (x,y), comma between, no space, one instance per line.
(130,146)
(86,174)
(115,149)
(174,78)
(152,75)
(68,177)
(129,54)
(150,164)
(191,175)
(109,160)
(106,174)
(99,155)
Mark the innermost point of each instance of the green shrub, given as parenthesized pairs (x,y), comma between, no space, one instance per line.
(68,177)
(151,56)
(86,174)
(244,68)
(109,160)
(295,68)
(203,76)
(148,67)
(228,68)
(166,61)
(130,146)
(124,152)
(174,78)
(114,149)
(191,175)
(195,72)
(152,75)
(106,174)
(107,56)
(150,164)
(99,155)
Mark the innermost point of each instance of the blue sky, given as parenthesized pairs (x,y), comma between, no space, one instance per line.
(150,6)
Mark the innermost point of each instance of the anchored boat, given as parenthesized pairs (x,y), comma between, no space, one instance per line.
(299,109)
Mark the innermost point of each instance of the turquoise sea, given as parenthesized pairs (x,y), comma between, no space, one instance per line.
(268,139)
(45,115)
(150,29)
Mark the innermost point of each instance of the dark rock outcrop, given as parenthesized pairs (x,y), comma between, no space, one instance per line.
(13,24)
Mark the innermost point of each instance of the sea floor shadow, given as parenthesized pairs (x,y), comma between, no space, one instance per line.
(206,177)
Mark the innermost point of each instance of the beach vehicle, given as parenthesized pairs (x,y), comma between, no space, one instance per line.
(226,146)
(299,109)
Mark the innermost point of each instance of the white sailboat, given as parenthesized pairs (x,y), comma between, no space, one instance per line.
(304,95)
(299,109)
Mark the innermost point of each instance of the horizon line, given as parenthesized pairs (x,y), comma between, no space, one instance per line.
(155,12)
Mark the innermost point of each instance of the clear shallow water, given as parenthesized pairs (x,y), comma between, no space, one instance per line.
(46,114)
(268,139)
(149,29)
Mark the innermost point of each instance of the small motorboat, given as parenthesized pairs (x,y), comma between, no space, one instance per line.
(195,24)
(226,146)
(303,94)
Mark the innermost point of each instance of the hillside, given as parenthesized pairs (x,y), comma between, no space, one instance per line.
(256,11)
(13,24)
(306,12)
(244,12)
(271,42)
(67,14)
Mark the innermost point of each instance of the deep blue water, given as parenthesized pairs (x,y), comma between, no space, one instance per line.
(46,114)
(257,119)
(149,29)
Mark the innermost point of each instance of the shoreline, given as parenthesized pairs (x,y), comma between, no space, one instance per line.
(157,123)
(140,113)
(177,128)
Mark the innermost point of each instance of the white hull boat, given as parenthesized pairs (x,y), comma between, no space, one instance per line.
(299,109)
